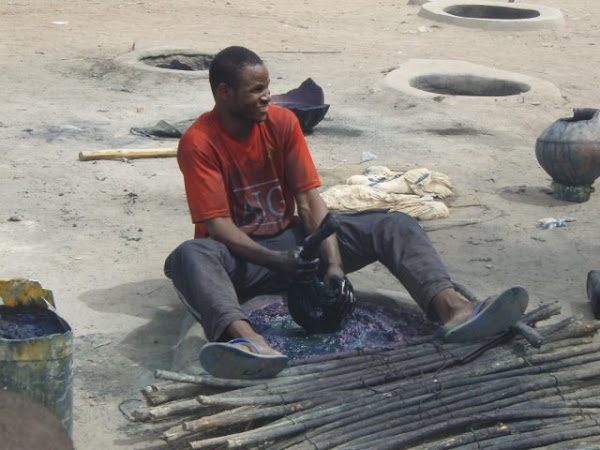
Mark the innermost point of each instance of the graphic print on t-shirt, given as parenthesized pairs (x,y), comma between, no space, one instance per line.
(259,205)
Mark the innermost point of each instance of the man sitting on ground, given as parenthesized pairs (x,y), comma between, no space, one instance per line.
(247,169)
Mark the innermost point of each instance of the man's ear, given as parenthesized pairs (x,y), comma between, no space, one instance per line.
(224,92)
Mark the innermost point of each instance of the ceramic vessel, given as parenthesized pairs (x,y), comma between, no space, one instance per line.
(593,291)
(569,151)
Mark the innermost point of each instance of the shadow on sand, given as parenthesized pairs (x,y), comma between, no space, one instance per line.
(531,195)
(150,345)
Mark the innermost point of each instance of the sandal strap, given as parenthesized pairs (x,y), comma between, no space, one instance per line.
(479,307)
(246,342)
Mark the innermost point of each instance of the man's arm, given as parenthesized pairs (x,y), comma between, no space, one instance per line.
(223,229)
(312,210)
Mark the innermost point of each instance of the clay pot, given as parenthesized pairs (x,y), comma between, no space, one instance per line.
(569,151)
(593,291)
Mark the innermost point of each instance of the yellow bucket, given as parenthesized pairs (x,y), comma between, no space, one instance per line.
(36,359)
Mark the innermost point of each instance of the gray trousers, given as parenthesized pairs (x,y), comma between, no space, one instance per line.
(211,280)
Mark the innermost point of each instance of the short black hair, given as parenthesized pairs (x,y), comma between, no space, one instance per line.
(227,65)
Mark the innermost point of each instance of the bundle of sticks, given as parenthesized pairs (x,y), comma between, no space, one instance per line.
(424,394)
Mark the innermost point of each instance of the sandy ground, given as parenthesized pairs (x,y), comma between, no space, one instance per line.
(97,233)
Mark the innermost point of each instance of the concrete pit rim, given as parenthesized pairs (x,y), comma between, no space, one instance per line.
(434,79)
(493,15)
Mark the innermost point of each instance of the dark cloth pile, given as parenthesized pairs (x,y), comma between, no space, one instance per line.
(164,130)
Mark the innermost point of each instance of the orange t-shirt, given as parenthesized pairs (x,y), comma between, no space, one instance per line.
(253,180)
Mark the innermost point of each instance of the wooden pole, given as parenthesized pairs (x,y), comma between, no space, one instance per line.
(157,395)
(350,416)
(127,153)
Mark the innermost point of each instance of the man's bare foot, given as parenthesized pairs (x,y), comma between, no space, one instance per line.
(242,329)
(487,318)
(452,308)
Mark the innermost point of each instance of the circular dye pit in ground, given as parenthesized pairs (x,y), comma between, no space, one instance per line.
(371,325)
(179,61)
(457,84)
(492,12)
(461,79)
(493,15)
(167,62)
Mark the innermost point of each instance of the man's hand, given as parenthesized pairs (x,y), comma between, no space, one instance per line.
(297,267)
(344,294)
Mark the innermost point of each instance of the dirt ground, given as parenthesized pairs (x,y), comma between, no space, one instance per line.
(97,233)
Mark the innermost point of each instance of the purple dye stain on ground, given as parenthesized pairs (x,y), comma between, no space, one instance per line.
(369,326)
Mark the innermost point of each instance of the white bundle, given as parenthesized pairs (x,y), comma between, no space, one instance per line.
(420,182)
(344,197)
(378,187)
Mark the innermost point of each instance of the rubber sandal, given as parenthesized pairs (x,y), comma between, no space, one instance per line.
(491,317)
(226,360)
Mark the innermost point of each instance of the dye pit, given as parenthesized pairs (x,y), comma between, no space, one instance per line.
(371,325)
(179,61)
(492,15)
(469,85)
(27,322)
(491,12)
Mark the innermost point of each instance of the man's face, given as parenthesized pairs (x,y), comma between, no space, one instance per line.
(250,99)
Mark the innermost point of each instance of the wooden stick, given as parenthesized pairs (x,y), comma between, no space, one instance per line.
(383,357)
(506,429)
(206,380)
(181,431)
(544,437)
(481,369)
(157,395)
(568,342)
(574,328)
(416,429)
(176,433)
(466,222)
(385,373)
(418,416)
(377,416)
(381,399)
(590,443)
(174,408)
(542,312)
(514,435)
(127,153)
(245,414)
(293,427)
(348,364)
(404,440)
(386,425)
(378,409)
(366,372)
